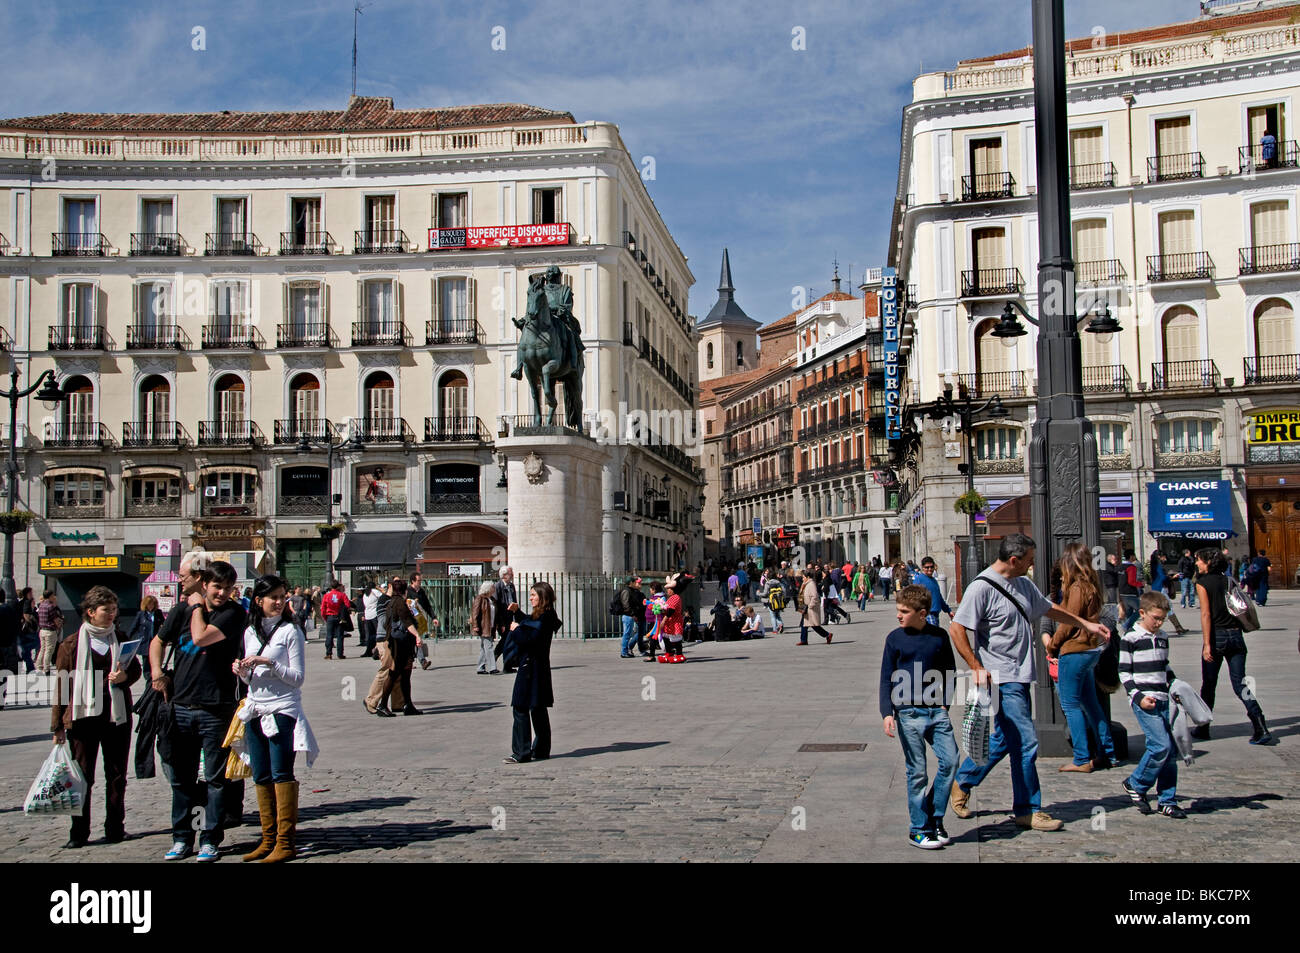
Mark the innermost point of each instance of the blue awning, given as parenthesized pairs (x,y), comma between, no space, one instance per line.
(1192,509)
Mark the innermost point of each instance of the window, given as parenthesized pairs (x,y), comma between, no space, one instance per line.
(230,406)
(1182,335)
(378,315)
(79,313)
(986,156)
(991,357)
(989,248)
(740,354)
(80,224)
(1274,328)
(1186,436)
(160,495)
(305,398)
(230,310)
(229,490)
(157,219)
(232,219)
(1110,438)
(1262,119)
(381,218)
(303,310)
(1090,242)
(455,304)
(78,410)
(1268,224)
(1173,138)
(547,206)
(1177,232)
(1086,146)
(380,394)
(306,221)
(155,407)
(75,495)
(451,210)
(997,443)
(454,394)
(709,353)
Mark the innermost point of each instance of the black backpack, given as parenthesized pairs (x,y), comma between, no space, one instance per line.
(616,604)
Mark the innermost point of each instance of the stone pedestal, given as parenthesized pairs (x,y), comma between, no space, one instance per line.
(556,513)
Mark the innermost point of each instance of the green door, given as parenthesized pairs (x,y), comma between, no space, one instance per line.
(301,562)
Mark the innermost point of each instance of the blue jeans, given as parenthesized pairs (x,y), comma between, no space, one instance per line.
(630,630)
(198,730)
(333,633)
(271,758)
(1228,645)
(1014,736)
(1189,592)
(916,727)
(1129,605)
(1082,708)
(1159,764)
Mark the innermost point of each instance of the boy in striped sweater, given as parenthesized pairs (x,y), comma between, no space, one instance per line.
(1145,673)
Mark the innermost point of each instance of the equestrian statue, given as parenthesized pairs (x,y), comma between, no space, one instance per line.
(550,348)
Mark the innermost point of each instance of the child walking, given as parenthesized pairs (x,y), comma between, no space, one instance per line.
(1145,673)
(916,678)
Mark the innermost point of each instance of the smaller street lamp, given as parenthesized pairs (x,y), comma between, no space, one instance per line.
(307,443)
(48,391)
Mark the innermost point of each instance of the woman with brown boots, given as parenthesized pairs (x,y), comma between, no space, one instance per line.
(275,728)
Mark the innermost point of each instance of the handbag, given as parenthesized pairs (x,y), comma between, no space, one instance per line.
(976,725)
(60,787)
(236,769)
(1242,606)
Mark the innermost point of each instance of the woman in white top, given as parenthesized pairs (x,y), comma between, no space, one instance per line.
(275,728)
(370,619)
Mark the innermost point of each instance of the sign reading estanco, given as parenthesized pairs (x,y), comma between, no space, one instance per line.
(1274,425)
(88,563)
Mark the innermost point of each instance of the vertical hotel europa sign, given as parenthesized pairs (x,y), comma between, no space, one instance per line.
(889,325)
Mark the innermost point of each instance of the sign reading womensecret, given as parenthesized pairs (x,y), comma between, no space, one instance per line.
(1196,509)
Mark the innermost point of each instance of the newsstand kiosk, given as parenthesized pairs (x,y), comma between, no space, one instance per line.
(73,576)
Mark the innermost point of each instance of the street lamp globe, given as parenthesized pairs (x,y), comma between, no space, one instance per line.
(51,394)
(1103,324)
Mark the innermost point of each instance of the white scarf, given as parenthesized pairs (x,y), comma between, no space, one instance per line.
(87,695)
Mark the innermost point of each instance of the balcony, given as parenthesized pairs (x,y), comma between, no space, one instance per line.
(1107,379)
(1174,168)
(846,377)
(385,241)
(166,335)
(765,485)
(629,339)
(987,185)
(1001,465)
(455,430)
(752,448)
(379,334)
(306,243)
(302,505)
(1114,461)
(75,435)
(229,433)
(4,246)
(842,468)
(1092,175)
(78,245)
(982,282)
(834,425)
(982,384)
(290,431)
(758,413)
(74,511)
(1107,272)
(157,244)
(153,434)
(456,331)
(219,243)
(395,505)
(1251,158)
(1272,369)
(244,504)
(1188,266)
(226,333)
(152,507)
(1185,375)
(315,334)
(382,430)
(1175,459)
(656,360)
(1268,259)
(453,503)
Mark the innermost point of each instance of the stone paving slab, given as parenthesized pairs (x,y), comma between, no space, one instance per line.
(701,763)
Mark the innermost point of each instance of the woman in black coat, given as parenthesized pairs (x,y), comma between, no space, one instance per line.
(531,636)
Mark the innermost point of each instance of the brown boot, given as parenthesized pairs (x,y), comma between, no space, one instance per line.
(266,809)
(286,815)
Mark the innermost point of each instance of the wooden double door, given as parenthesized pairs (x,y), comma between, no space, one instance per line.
(1275,528)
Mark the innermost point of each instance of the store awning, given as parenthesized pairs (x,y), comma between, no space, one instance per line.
(1193,509)
(74,471)
(229,468)
(371,551)
(152,471)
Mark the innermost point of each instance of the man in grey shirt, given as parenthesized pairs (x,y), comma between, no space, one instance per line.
(1004,639)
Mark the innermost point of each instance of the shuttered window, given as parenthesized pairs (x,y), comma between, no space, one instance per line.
(1086,146)
(986,156)
(1182,336)
(1274,328)
(1173,136)
(1090,240)
(1268,225)
(1178,232)
(991,356)
(989,248)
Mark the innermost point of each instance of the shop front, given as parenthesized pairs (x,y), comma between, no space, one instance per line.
(1273,491)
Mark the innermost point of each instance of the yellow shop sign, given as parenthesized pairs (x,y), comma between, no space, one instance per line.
(1276,425)
(85,563)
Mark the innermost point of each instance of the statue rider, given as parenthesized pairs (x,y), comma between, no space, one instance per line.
(559,301)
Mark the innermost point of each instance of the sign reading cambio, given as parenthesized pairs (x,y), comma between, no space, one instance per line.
(498,236)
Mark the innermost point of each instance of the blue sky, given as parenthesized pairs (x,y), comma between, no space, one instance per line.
(788,157)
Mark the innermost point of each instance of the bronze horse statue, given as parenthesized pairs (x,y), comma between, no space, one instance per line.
(547,355)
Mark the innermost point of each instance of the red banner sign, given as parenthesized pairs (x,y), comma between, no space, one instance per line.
(498,236)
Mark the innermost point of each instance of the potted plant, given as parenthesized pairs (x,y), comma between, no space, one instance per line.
(329,530)
(970,503)
(15,521)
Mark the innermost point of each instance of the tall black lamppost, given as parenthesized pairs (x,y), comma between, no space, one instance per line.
(307,442)
(47,390)
(966,410)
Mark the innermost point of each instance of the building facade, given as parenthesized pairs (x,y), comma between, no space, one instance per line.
(1185,187)
(224,297)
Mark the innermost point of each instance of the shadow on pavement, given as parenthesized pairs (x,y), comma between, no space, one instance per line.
(316,812)
(692,659)
(1212,805)
(344,840)
(25,739)
(615,748)
(1243,729)
(467,707)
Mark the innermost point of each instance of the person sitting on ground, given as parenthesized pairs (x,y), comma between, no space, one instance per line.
(752,627)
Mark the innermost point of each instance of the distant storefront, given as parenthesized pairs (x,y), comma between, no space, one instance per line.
(1273,490)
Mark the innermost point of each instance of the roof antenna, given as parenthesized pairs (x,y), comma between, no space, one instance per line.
(356,12)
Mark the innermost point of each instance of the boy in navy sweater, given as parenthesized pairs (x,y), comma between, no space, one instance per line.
(916,677)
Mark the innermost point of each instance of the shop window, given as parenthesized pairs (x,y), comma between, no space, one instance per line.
(1187,436)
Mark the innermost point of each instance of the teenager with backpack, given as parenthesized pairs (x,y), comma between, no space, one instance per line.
(775,597)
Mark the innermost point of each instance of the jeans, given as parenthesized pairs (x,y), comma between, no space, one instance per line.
(1228,645)
(1189,592)
(271,758)
(777,622)
(1159,764)
(487,662)
(862,601)
(1130,606)
(1082,708)
(198,804)
(916,727)
(523,745)
(630,631)
(333,632)
(1014,736)
(369,629)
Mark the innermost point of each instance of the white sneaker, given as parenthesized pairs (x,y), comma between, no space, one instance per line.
(925,841)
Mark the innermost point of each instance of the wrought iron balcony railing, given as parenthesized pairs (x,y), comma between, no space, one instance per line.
(235,334)
(167,244)
(306,243)
(78,245)
(745,449)
(842,468)
(833,425)
(301,505)
(152,507)
(978,282)
(163,336)
(982,384)
(229,433)
(243,504)
(220,243)
(987,185)
(762,410)
(1272,369)
(315,334)
(379,334)
(453,503)
(1286,155)
(1109,271)
(380,241)
(1171,168)
(383,430)
(74,511)
(290,431)
(394,505)
(77,339)
(455,430)
(1093,175)
(1107,379)
(1268,259)
(1187,266)
(75,434)
(455,331)
(144,434)
(1185,375)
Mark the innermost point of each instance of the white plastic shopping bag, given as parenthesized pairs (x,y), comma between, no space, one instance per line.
(977,725)
(60,787)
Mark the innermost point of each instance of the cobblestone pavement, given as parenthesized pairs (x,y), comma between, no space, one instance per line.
(699,763)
